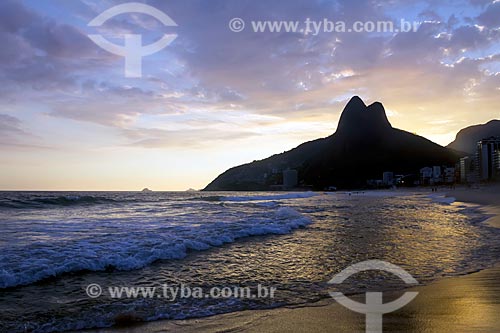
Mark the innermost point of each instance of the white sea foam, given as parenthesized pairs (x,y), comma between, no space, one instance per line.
(373,193)
(135,244)
(294,195)
(136,229)
(441,198)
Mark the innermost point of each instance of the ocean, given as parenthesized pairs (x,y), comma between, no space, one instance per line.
(53,245)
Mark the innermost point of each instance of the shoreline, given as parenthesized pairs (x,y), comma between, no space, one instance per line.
(464,303)
(488,196)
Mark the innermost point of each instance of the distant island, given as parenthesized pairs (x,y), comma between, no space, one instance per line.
(146,190)
(364,146)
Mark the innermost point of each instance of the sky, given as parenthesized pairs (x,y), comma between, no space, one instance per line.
(214,98)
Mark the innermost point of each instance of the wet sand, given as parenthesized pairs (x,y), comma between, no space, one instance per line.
(486,195)
(469,303)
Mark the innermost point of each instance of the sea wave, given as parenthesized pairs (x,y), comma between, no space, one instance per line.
(295,195)
(53,201)
(442,199)
(206,198)
(137,248)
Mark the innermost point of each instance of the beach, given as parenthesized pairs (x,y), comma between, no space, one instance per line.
(72,244)
(466,303)
(488,196)
(249,166)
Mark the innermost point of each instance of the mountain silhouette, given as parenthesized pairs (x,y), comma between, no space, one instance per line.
(468,137)
(364,146)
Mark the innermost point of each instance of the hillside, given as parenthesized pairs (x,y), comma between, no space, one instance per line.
(467,138)
(363,147)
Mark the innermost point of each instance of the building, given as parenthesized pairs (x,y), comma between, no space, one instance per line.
(449,175)
(488,159)
(388,178)
(468,171)
(290,178)
(425,176)
(375,183)
(437,176)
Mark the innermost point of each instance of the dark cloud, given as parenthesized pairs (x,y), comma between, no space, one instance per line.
(9,125)
(14,16)
(471,37)
(49,38)
(14,136)
(481,3)
(59,40)
(208,67)
(491,16)
(430,15)
(42,54)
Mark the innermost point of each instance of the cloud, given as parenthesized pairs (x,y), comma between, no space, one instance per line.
(9,125)
(208,68)
(14,136)
(470,37)
(491,16)
(193,138)
(14,16)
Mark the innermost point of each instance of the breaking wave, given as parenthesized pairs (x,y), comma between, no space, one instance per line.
(136,248)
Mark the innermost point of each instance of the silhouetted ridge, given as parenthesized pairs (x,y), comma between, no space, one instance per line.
(359,119)
(377,114)
(352,114)
(468,137)
(363,147)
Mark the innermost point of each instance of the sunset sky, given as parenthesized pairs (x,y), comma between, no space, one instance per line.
(213,99)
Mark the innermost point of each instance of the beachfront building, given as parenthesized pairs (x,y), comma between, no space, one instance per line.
(488,159)
(425,176)
(437,176)
(449,175)
(388,178)
(468,170)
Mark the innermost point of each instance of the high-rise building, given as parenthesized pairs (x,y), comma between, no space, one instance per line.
(488,158)
(449,175)
(468,170)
